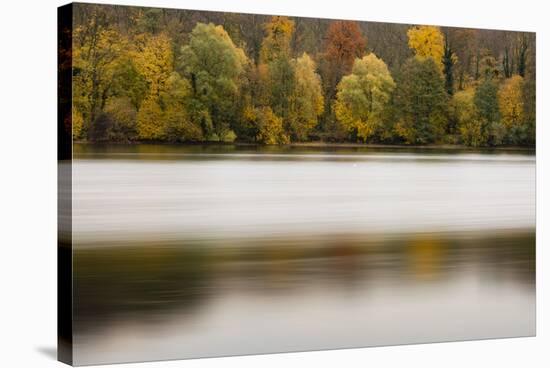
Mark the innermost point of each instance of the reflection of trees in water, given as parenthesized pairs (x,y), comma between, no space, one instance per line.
(426,256)
(181,152)
(144,282)
(148,282)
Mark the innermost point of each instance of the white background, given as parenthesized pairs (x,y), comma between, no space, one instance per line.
(28,181)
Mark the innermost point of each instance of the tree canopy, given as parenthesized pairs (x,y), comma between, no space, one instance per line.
(363,96)
(421,102)
(168,75)
(427,42)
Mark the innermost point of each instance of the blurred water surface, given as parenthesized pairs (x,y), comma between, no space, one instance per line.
(222,250)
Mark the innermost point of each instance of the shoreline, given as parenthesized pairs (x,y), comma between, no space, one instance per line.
(317,144)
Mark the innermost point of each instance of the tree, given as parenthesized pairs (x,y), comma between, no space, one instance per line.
(521,51)
(449,60)
(183,75)
(465,44)
(420,99)
(309,34)
(128,81)
(77,121)
(517,46)
(213,65)
(487,66)
(389,42)
(486,103)
(255,92)
(123,117)
(363,95)
(472,130)
(344,43)
(427,42)
(175,102)
(154,60)
(276,43)
(510,102)
(281,84)
(268,126)
(307,100)
(507,63)
(96,49)
(150,120)
(529,102)
(277,69)
(148,19)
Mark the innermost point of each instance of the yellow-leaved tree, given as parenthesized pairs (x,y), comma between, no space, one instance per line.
(363,95)
(154,60)
(308,99)
(96,51)
(275,54)
(278,36)
(268,127)
(150,122)
(78,122)
(472,128)
(427,42)
(510,102)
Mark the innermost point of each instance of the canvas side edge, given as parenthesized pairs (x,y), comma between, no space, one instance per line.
(64,185)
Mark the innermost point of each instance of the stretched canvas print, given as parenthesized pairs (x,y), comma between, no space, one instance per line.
(241,184)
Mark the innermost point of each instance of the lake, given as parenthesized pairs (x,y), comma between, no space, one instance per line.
(195,251)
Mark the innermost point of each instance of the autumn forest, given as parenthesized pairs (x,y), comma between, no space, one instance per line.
(168,75)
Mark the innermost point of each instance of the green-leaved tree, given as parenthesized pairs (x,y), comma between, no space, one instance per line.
(213,65)
(363,95)
(420,99)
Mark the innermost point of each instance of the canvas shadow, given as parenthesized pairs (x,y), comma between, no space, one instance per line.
(48,351)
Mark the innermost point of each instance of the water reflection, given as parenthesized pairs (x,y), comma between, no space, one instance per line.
(189,254)
(151,286)
(159,151)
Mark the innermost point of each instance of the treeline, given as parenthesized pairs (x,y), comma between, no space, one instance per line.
(144,74)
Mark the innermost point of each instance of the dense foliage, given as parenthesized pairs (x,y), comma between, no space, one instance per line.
(143,74)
